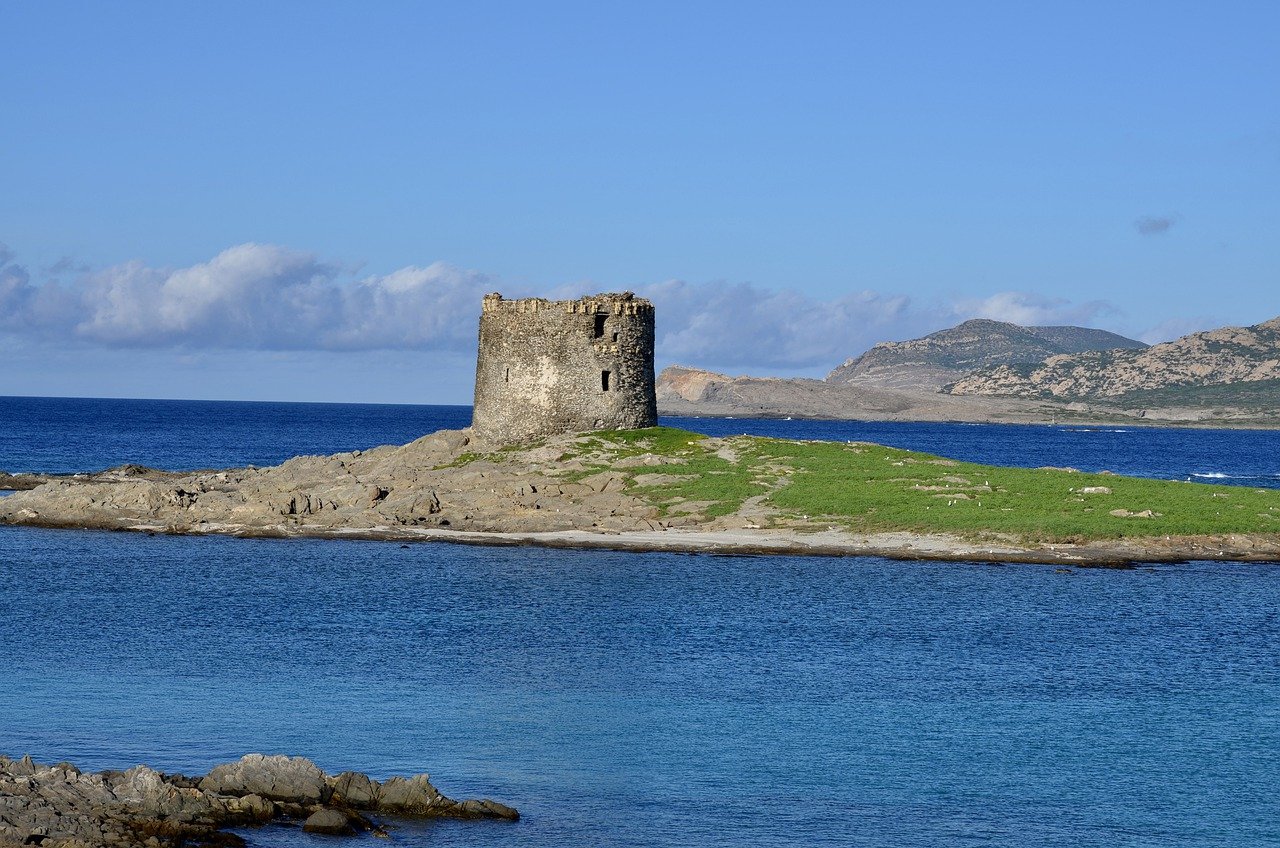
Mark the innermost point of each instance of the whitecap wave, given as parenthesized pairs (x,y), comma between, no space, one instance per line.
(1090,430)
(1218,475)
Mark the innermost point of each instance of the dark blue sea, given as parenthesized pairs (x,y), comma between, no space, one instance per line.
(636,699)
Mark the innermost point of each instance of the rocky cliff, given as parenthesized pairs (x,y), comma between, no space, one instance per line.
(1193,370)
(947,355)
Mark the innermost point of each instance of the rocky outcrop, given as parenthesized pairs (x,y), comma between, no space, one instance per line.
(21,482)
(61,807)
(435,482)
(947,355)
(276,778)
(1185,369)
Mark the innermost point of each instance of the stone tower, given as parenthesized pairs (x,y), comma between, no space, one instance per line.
(563,366)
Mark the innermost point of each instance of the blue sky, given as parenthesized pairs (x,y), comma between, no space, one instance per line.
(305,200)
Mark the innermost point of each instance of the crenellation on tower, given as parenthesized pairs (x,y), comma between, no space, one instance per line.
(547,367)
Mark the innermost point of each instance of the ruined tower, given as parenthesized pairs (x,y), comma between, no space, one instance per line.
(563,366)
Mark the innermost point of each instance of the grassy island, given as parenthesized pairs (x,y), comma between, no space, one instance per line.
(868,488)
(662,489)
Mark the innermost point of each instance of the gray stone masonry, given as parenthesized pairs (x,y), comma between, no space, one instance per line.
(547,367)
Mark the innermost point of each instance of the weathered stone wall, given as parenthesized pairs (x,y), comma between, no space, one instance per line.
(563,366)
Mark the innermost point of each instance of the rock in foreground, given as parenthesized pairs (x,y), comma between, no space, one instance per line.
(61,807)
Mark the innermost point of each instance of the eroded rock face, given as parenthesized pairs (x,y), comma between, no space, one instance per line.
(61,807)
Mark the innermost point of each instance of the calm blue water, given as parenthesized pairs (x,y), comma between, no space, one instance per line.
(66,435)
(61,435)
(625,699)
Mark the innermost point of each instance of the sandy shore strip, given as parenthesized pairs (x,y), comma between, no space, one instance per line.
(747,542)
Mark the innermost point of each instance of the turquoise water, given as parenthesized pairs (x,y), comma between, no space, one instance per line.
(670,700)
(626,699)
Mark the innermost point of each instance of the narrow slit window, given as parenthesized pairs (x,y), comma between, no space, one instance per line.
(600,319)
(615,337)
(506,375)
(604,381)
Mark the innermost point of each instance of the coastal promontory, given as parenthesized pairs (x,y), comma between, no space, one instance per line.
(667,489)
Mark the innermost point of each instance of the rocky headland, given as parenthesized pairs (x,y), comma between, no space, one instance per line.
(650,490)
(694,392)
(992,371)
(59,806)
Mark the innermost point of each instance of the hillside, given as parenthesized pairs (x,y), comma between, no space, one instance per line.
(694,392)
(1235,365)
(948,355)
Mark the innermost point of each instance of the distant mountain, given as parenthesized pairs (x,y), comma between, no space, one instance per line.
(692,391)
(948,355)
(1230,365)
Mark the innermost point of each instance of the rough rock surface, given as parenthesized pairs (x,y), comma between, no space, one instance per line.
(1226,356)
(430,483)
(61,807)
(276,778)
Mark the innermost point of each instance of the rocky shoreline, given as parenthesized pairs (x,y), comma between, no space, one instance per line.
(570,492)
(59,806)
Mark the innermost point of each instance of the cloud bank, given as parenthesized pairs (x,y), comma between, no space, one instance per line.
(252,296)
(256,297)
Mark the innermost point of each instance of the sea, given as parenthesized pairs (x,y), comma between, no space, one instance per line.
(624,699)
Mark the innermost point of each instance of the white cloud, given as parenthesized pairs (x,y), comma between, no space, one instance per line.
(742,326)
(251,297)
(1167,331)
(256,297)
(1031,310)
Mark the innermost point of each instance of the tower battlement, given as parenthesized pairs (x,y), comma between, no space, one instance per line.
(546,367)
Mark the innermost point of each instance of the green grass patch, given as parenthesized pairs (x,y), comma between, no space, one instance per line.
(703,475)
(874,488)
(878,488)
(464,458)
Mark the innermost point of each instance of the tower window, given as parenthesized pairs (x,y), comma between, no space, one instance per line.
(604,381)
(506,375)
(600,319)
